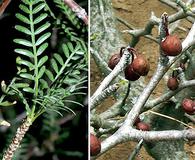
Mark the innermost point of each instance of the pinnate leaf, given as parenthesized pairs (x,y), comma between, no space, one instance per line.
(49,75)
(43,38)
(27,76)
(22,18)
(54,65)
(42,48)
(42,28)
(29,90)
(23,29)
(65,50)
(58,58)
(23,42)
(40,18)
(41,71)
(42,61)
(24,8)
(24,52)
(38,8)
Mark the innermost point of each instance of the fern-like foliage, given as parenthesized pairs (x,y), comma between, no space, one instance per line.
(69,14)
(45,81)
(32,63)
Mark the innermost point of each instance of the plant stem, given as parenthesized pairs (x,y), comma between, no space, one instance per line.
(15,143)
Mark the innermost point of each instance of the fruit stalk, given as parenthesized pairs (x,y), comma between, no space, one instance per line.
(15,143)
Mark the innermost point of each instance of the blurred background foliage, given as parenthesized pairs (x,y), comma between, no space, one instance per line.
(51,137)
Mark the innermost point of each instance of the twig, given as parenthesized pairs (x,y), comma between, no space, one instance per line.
(118,68)
(113,110)
(80,12)
(3,6)
(136,150)
(126,132)
(169,94)
(105,93)
(190,117)
(162,115)
(174,6)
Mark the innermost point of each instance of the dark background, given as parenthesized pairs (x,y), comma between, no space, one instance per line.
(76,143)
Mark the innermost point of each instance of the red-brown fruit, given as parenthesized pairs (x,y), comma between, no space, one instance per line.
(95,145)
(171,45)
(130,74)
(137,121)
(172,83)
(188,106)
(113,61)
(143,126)
(140,65)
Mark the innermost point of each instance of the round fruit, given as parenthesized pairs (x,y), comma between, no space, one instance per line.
(171,45)
(188,106)
(130,74)
(113,61)
(172,83)
(137,121)
(95,145)
(140,65)
(143,126)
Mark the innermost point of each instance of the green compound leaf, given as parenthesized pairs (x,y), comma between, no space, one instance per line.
(42,48)
(22,18)
(38,8)
(23,29)
(54,65)
(59,58)
(42,28)
(66,50)
(24,52)
(21,85)
(41,71)
(42,61)
(27,76)
(23,42)
(24,8)
(44,83)
(29,90)
(49,75)
(42,38)
(26,63)
(70,46)
(40,18)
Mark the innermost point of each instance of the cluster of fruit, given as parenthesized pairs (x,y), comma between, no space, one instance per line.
(171,46)
(139,66)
